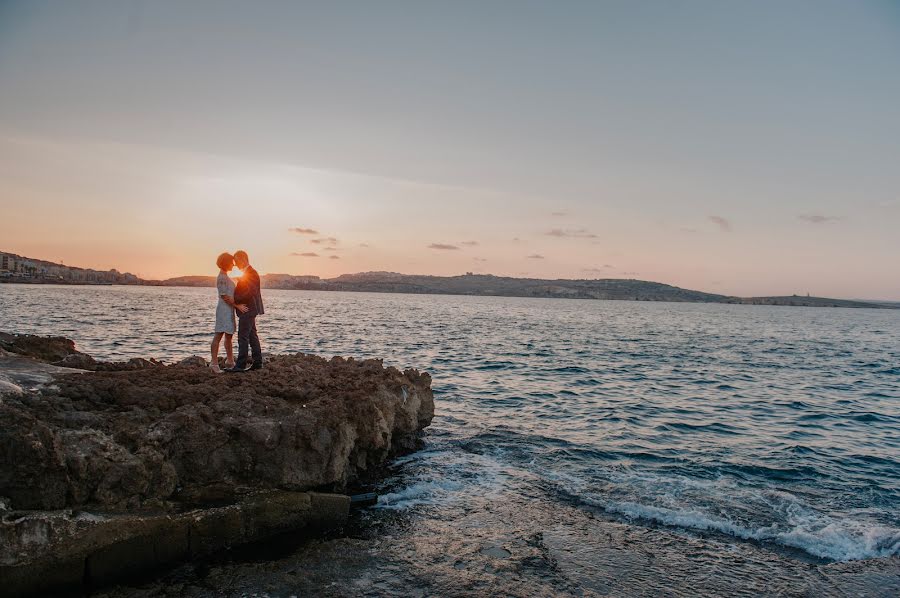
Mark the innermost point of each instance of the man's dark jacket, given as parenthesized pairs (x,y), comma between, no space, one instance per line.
(247,292)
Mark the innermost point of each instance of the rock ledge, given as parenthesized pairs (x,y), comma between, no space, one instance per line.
(162,435)
(140,454)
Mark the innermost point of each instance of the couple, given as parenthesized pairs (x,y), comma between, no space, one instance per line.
(244,297)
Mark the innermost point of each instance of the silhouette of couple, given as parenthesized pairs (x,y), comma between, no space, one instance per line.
(244,297)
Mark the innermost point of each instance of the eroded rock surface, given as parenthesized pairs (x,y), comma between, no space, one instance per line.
(154,436)
(56,350)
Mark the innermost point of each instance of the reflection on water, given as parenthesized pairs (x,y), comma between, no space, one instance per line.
(771,430)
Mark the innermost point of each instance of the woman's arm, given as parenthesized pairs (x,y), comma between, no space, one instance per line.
(238,306)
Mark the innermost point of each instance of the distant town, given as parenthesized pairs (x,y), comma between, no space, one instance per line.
(17,269)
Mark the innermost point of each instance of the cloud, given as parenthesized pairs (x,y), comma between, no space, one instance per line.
(816,218)
(723,224)
(364,245)
(443,246)
(479,259)
(325,241)
(576,233)
(558,214)
(469,243)
(630,273)
(305,254)
(517,240)
(303,231)
(332,249)
(535,256)
(334,257)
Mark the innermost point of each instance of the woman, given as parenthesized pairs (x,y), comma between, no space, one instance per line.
(224,314)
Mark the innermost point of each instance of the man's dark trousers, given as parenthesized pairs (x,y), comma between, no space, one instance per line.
(247,338)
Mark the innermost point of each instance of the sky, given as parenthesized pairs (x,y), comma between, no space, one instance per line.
(740,148)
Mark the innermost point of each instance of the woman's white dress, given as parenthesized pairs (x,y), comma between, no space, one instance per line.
(224,312)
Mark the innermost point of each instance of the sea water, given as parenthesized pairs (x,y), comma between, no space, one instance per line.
(768,432)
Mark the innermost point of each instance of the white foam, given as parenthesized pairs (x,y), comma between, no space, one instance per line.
(723,504)
(419,493)
(750,513)
(443,477)
(819,535)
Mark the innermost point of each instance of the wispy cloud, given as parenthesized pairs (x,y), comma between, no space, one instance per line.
(469,243)
(443,246)
(535,256)
(303,231)
(334,257)
(479,259)
(324,241)
(364,245)
(576,233)
(723,223)
(304,254)
(332,249)
(558,214)
(815,218)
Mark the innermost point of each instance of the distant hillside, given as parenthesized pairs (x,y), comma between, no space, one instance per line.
(503,286)
(486,284)
(269,281)
(187,281)
(801,301)
(15,268)
(476,284)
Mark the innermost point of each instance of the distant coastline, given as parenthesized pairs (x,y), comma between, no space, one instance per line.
(18,269)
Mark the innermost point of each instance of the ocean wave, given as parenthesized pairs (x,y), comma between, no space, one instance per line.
(725,505)
(442,477)
(419,493)
(816,534)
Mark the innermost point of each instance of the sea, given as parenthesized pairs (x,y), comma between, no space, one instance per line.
(578,447)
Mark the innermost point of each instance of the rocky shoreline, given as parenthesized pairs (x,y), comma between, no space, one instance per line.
(149,455)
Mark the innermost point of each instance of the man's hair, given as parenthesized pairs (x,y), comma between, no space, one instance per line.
(240,254)
(224,261)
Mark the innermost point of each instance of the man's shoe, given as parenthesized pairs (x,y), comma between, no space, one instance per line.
(256,366)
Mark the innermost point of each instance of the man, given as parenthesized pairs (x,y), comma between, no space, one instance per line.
(248,300)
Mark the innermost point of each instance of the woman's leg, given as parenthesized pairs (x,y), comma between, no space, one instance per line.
(214,349)
(229,351)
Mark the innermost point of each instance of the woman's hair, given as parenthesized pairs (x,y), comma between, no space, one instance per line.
(225,261)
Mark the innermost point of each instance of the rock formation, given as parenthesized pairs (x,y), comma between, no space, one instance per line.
(154,436)
(108,473)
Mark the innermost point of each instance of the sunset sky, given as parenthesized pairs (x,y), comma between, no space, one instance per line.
(742,148)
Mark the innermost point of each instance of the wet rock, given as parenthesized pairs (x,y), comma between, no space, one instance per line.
(496,552)
(135,363)
(7,387)
(56,350)
(44,553)
(78,361)
(157,436)
(194,361)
